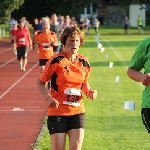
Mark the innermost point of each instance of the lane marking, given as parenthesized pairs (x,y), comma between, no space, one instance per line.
(4,43)
(5,50)
(23,111)
(9,89)
(7,62)
(121,59)
(24,101)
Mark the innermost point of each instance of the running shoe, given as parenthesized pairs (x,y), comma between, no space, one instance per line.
(15,52)
(23,69)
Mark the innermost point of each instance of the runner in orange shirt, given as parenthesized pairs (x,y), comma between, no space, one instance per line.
(46,40)
(69,72)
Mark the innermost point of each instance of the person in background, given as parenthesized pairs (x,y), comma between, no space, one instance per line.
(26,22)
(11,23)
(39,26)
(96,25)
(81,24)
(22,40)
(34,29)
(139,71)
(140,24)
(12,34)
(35,26)
(69,72)
(87,25)
(56,27)
(45,41)
(126,24)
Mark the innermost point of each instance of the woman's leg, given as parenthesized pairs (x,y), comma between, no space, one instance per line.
(76,137)
(58,141)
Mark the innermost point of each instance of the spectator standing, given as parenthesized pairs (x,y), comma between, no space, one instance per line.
(126,24)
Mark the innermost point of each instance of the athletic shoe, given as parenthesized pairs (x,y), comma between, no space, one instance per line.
(23,69)
(15,52)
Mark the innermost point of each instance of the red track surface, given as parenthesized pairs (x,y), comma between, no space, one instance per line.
(22,108)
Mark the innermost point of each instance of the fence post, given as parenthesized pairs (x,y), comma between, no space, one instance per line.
(0,33)
(3,32)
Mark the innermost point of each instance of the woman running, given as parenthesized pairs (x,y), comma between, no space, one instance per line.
(23,41)
(69,72)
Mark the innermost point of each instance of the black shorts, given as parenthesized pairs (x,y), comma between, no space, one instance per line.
(62,124)
(145,112)
(22,52)
(42,62)
(125,26)
(55,49)
(12,41)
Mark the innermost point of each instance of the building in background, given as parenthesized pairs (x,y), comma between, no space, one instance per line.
(110,13)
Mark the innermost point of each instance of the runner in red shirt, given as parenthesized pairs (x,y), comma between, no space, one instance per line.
(23,41)
(69,72)
(12,34)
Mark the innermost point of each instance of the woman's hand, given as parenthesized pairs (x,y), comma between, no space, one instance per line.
(92,94)
(52,102)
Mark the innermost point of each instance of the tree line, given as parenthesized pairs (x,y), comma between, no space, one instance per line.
(39,8)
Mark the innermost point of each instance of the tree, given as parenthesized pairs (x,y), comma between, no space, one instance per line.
(41,8)
(6,7)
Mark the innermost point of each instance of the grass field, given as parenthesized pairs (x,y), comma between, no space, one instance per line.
(108,125)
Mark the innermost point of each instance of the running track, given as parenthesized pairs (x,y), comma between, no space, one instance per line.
(22,108)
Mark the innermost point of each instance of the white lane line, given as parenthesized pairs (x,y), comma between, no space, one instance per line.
(121,59)
(4,43)
(24,101)
(10,107)
(22,110)
(9,89)
(117,54)
(7,62)
(5,50)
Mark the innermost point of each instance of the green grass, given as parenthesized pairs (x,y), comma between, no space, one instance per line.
(108,125)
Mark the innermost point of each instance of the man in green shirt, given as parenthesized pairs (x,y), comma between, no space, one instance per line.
(140,24)
(141,60)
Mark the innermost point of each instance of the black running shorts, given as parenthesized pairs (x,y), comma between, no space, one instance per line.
(145,112)
(62,124)
(22,52)
(42,62)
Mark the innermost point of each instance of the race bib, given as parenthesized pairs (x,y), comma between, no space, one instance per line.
(72,96)
(22,41)
(46,46)
(72,91)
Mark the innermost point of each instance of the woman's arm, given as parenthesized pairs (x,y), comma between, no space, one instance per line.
(92,94)
(51,101)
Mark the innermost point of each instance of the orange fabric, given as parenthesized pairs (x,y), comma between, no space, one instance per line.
(65,74)
(45,51)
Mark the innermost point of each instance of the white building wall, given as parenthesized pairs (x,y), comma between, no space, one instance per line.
(134,12)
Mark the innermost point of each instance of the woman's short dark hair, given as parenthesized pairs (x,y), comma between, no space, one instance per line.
(71,32)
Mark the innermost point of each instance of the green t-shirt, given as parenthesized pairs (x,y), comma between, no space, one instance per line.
(140,21)
(141,60)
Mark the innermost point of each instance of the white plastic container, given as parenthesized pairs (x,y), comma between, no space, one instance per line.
(129,105)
